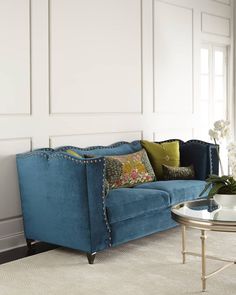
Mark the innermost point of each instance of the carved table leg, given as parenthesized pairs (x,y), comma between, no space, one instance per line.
(203,239)
(184,243)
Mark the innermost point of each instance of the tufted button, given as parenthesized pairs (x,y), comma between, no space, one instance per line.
(167,158)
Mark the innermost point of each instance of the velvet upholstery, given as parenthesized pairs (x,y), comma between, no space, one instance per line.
(178,190)
(196,154)
(141,226)
(125,203)
(64,200)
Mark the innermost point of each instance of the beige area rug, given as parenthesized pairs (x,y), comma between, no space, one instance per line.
(151,265)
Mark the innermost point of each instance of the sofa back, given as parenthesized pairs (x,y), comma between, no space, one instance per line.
(118,148)
(202,155)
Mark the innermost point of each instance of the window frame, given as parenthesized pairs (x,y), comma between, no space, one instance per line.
(212,48)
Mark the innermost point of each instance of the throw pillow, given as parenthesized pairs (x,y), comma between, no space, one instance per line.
(73,153)
(162,153)
(128,170)
(171,173)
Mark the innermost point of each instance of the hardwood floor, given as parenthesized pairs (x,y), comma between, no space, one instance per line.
(22,252)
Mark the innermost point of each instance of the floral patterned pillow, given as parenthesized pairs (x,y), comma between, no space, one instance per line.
(128,170)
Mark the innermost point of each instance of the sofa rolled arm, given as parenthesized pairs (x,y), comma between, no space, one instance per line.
(63,199)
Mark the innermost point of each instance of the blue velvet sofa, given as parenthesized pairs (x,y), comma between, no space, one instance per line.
(64,201)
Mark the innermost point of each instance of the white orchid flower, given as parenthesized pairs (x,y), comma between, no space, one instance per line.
(220,125)
(221,131)
(213,134)
(231,146)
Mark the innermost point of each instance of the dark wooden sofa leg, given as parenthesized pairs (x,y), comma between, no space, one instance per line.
(91,257)
(29,244)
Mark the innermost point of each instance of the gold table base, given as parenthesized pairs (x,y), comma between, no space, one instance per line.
(203,255)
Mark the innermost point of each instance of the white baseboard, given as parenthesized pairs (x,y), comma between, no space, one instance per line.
(11,233)
(12,241)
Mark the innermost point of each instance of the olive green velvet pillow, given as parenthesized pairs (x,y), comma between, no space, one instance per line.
(73,153)
(166,153)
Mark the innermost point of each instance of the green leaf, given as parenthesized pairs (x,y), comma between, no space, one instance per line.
(215,189)
(205,189)
(225,184)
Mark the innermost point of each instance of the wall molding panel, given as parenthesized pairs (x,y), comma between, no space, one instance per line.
(10,205)
(224,2)
(173,133)
(95,68)
(214,24)
(15,57)
(179,45)
(11,226)
(79,72)
(84,140)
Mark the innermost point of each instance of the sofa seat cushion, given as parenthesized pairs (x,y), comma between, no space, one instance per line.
(125,203)
(179,190)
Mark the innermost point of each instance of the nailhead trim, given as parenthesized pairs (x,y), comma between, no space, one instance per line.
(103,202)
(41,152)
(211,161)
(187,142)
(49,157)
(211,158)
(45,150)
(54,156)
(114,145)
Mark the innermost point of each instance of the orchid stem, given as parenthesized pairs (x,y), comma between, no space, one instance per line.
(218,154)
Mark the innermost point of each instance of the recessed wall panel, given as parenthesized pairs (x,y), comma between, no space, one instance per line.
(14,57)
(95,56)
(173,133)
(84,140)
(215,25)
(173,58)
(226,2)
(9,189)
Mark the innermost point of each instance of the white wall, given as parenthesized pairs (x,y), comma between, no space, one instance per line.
(86,72)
